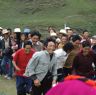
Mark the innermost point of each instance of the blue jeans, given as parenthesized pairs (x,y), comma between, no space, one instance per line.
(23,85)
(0,66)
(6,66)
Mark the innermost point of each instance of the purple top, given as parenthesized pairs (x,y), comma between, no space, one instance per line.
(83,64)
(72,87)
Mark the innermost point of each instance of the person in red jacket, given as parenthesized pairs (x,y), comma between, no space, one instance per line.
(20,61)
(84,63)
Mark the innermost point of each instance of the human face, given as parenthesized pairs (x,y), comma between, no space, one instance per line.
(51,47)
(6,36)
(86,34)
(69,33)
(29,36)
(35,39)
(27,49)
(23,37)
(76,43)
(86,50)
(64,39)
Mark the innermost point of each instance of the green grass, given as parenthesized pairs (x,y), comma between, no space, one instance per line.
(43,13)
(7,87)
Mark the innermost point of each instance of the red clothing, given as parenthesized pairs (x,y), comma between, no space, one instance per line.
(22,59)
(83,64)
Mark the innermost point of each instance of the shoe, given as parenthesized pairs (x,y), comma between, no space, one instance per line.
(9,78)
(5,76)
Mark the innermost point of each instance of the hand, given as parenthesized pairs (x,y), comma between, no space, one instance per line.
(37,83)
(17,69)
(54,83)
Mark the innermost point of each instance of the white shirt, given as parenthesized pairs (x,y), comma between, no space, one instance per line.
(61,57)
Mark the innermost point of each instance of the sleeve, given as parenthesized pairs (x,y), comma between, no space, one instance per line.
(94,56)
(54,71)
(30,69)
(75,63)
(15,56)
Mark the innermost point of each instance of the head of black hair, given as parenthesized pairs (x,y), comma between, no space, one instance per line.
(75,37)
(68,47)
(22,33)
(47,40)
(85,31)
(9,29)
(35,33)
(86,44)
(27,43)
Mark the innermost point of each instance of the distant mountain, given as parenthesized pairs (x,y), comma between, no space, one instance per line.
(43,13)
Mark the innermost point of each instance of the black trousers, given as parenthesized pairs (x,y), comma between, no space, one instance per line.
(63,72)
(46,84)
(67,71)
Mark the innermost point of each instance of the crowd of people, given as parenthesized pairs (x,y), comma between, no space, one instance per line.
(39,65)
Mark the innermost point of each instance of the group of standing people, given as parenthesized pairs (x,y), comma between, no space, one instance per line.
(40,65)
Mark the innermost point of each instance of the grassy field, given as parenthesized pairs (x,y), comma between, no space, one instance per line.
(7,87)
(40,14)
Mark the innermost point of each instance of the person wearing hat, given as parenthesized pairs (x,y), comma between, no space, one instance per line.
(17,31)
(6,41)
(61,33)
(53,34)
(3,38)
(27,30)
(7,52)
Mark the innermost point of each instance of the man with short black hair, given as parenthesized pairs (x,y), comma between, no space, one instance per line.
(86,36)
(42,68)
(69,61)
(20,61)
(35,39)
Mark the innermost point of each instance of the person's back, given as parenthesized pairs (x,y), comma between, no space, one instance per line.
(73,87)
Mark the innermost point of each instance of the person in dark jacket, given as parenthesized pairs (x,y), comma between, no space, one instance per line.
(84,61)
(6,62)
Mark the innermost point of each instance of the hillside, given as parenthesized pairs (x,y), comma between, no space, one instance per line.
(43,13)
